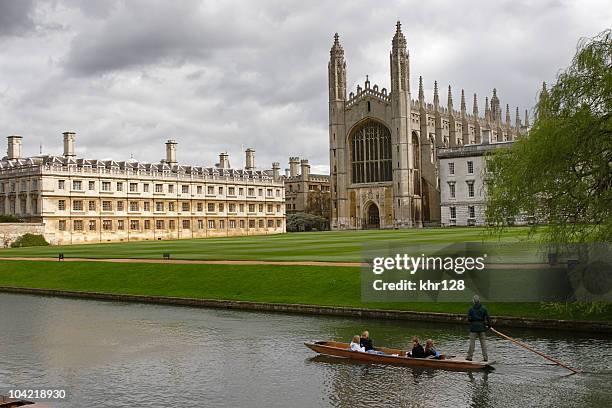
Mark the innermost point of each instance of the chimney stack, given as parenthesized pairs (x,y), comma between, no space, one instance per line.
(14,147)
(171,152)
(276,171)
(224,161)
(250,159)
(286,172)
(294,162)
(69,140)
(305,169)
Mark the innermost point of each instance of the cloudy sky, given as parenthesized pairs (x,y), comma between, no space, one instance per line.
(223,76)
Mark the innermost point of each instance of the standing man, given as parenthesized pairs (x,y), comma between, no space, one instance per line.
(479,323)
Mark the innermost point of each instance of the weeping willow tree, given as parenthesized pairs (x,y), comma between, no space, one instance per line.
(561,172)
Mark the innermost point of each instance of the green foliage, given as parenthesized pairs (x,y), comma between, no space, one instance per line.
(29,240)
(573,309)
(319,203)
(7,218)
(561,173)
(305,222)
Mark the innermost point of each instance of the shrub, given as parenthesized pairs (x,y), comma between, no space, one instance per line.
(6,218)
(29,240)
(305,222)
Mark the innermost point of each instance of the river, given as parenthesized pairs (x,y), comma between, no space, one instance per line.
(107,354)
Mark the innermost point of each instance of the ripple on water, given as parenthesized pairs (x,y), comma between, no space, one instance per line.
(126,355)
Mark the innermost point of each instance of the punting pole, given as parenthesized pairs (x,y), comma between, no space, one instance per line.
(575,371)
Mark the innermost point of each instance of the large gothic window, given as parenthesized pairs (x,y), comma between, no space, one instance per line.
(371,153)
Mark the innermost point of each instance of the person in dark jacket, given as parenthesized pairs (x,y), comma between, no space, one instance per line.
(479,323)
(417,349)
(365,341)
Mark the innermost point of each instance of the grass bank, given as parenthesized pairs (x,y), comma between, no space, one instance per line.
(346,246)
(313,285)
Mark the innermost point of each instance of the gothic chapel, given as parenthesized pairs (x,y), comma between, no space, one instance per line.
(383,144)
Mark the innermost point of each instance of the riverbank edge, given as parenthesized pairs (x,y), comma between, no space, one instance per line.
(433,317)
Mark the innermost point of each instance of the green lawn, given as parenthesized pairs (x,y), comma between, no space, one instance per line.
(306,246)
(277,284)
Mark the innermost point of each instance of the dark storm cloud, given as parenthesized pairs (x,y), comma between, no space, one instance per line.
(140,33)
(216,76)
(15,17)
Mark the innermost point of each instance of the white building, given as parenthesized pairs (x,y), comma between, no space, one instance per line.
(80,200)
(462,182)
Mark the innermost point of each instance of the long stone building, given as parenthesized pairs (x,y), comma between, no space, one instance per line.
(383,145)
(81,200)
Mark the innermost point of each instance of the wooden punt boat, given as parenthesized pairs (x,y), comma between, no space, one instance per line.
(396,357)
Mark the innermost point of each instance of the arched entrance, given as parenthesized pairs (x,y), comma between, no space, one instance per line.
(372,217)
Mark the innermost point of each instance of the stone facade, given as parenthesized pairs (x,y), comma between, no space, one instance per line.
(80,200)
(304,191)
(9,232)
(384,145)
(462,182)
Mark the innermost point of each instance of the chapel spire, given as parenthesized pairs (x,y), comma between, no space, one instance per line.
(336,71)
(421,92)
(517,119)
(495,108)
(436,98)
(465,131)
(477,138)
(542,102)
(508,116)
(544,92)
(400,65)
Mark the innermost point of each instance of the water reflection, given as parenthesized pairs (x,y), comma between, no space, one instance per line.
(125,355)
(480,392)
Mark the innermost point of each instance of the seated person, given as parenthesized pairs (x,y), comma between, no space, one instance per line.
(355,344)
(417,349)
(430,349)
(365,341)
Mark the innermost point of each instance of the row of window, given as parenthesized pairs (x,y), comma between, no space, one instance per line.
(470,187)
(169,188)
(471,212)
(470,167)
(160,206)
(12,186)
(311,187)
(135,225)
(23,206)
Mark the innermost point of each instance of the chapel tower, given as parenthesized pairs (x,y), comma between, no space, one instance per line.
(336,72)
(374,155)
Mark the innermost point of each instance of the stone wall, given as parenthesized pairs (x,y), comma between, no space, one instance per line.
(359,313)
(9,232)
